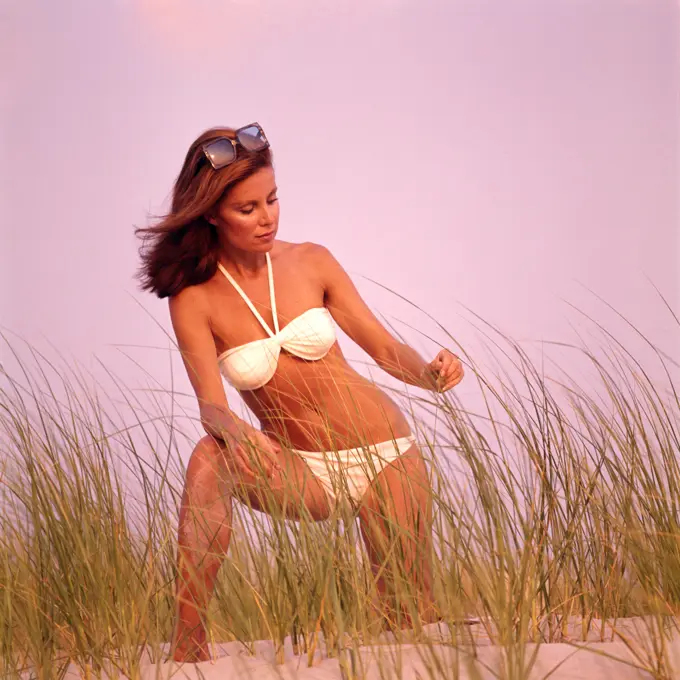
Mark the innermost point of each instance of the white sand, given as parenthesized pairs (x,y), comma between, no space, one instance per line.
(475,657)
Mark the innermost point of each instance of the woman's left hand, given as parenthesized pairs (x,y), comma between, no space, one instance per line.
(446,370)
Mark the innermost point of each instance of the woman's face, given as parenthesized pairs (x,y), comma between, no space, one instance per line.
(248,216)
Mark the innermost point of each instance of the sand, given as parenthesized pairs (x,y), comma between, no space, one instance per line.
(475,656)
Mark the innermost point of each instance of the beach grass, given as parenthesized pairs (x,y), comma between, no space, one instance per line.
(557,518)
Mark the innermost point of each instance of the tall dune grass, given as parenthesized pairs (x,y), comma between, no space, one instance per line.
(563,508)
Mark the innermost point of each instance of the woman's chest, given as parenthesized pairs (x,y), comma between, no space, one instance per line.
(236,322)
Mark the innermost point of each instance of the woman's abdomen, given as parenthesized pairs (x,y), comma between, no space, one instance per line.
(325,406)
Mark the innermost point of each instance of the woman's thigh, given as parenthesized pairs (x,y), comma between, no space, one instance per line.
(293,491)
(398,500)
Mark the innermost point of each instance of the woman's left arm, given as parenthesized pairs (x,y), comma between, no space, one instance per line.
(355,318)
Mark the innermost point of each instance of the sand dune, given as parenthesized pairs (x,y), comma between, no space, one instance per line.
(475,656)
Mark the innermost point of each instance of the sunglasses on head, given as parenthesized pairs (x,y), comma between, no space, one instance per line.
(222,151)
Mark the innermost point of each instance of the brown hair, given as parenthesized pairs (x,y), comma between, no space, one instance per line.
(181,249)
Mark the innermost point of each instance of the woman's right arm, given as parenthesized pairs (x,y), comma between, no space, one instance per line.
(190,321)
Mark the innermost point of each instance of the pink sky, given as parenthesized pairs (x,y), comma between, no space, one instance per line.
(499,155)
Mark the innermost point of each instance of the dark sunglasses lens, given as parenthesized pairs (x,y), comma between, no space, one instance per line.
(220,152)
(252,138)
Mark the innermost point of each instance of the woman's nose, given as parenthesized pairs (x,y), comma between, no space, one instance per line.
(267,215)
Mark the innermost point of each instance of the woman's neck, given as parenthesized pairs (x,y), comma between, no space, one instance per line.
(246,264)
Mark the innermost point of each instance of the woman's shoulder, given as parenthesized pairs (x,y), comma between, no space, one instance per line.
(314,259)
(191,299)
(306,253)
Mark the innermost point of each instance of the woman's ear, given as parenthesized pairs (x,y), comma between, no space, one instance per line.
(212,218)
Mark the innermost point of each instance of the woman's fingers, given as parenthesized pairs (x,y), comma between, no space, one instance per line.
(244,466)
(252,454)
(270,453)
(444,367)
(237,462)
(452,373)
(244,458)
(453,382)
(259,461)
(456,378)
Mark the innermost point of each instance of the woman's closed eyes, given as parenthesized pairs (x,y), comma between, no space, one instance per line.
(247,211)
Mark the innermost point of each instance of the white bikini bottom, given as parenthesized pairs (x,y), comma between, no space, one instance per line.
(348,473)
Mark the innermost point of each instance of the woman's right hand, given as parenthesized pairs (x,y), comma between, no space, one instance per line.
(250,451)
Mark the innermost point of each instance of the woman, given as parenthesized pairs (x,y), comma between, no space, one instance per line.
(260,311)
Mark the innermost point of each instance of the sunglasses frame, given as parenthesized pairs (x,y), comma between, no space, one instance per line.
(233,142)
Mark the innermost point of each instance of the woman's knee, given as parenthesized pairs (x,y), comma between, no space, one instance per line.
(206,487)
(205,460)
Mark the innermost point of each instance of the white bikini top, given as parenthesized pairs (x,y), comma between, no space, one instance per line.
(309,336)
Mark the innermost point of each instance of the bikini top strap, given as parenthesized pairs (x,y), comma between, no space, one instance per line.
(246,299)
(272,296)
